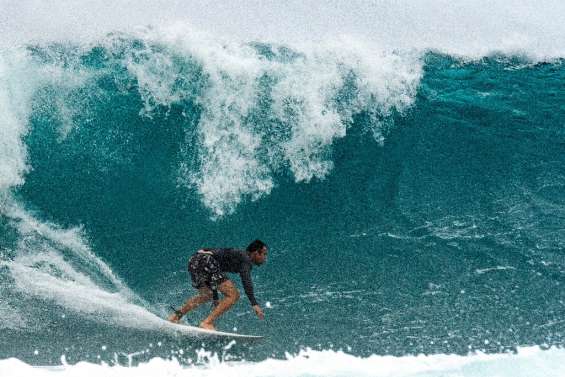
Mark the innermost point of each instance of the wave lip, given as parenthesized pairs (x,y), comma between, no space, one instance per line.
(269,109)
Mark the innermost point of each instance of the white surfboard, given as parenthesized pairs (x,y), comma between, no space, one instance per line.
(200,332)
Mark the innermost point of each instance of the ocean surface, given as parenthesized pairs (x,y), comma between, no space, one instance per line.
(413,201)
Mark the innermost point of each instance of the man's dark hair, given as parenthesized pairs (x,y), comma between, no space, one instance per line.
(255,246)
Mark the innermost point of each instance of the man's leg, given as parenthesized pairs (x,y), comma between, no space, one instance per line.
(204,295)
(231,295)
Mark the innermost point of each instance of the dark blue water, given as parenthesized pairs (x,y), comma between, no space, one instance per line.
(411,203)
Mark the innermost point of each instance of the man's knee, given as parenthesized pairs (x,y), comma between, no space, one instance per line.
(229,291)
(232,294)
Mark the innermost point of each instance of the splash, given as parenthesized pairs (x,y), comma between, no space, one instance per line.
(528,362)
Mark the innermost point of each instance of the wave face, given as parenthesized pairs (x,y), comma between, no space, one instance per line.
(413,201)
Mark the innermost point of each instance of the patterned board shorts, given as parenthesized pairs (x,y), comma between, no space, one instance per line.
(205,270)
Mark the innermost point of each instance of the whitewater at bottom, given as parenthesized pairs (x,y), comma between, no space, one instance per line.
(527,362)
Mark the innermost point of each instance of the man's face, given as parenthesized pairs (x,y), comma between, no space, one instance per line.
(260,256)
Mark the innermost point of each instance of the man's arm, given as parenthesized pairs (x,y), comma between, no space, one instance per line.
(248,288)
(248,285)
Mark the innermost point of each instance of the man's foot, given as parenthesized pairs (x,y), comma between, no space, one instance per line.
(207,325)
(174,318)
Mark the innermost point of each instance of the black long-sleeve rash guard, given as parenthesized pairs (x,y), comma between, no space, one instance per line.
(237,261)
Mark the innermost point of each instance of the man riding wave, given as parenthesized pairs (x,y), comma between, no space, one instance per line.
(208,268)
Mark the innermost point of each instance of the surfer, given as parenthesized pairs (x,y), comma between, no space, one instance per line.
(208,269)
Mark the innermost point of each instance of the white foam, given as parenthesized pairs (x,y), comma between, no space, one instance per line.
(529,362)
(15,97)
(156,75)
(56,265)
(384,81)
(237,157)
(20,78)
(35,233)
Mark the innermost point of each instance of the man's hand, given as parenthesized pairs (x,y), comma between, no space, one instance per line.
(259,312)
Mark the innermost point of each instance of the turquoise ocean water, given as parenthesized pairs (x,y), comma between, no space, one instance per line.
(413,201)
